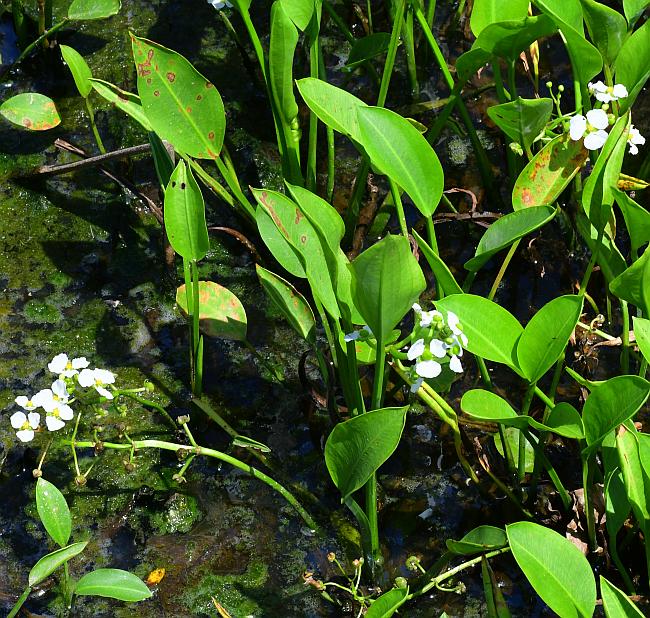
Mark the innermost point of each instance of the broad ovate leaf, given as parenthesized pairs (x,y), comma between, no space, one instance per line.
(79,68)
(282,47)
(357,447)
(632,65)
(616,603)
(290,302)
(633,284)
(546,335)
(492,331)
(114,584)
(386,281)
(31,110)
(642,335)
(93,9)
(522,120)
(401,152)
(388,603)
(508,229)
(549,172)
(221,313)
(507,39)
(185,215)
(182,106)
(478,541)
(546,558)
(487,12)
(53,511)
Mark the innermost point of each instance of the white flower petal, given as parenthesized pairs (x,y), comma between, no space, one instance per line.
(416,307)
(577,127)
(452,320)
(26,435)
(634,149)
(428,369)
(595,140)
(66,413)
(104,392)
(18,419)
(415,387)
(620,91)
(598,86)
(25,402)
(103,376)
(80,363)
(597,118)
(604,97)
(53,423)
(86,378)
(416,350)
(455,364)
(635,136)
(34,419)
(58,363)
(60,390)
(44,398)
(438,348)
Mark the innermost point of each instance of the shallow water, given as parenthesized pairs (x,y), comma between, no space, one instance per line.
(81,271)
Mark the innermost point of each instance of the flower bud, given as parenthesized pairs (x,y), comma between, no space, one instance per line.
(80,480)
(549,85)
(560,88)
(37,473)
(183,420)
(149,386)
(413,563)
(400,582)
(331,556)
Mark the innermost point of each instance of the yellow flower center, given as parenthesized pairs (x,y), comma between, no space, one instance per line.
(68,366)
(25,426)
(55,413)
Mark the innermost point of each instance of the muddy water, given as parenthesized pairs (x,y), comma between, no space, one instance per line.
(81,271)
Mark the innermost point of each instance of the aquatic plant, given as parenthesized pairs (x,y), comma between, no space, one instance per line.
(380,350)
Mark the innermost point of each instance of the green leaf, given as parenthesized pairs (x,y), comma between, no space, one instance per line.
(221,313)
(31,110)
(633,9)
(386,281)
(616,603)
(126,101)
(641,328)
(546,558)
(93,9)
(478,541)
(182,106)
(334,106)
(185,215)
(446,282)
(610,404)
(249,443)
(507,39)
(367,48)
(566,421)
(549,172)
(492,331)
(114,584)
(546,335)
(607,28)
(487,12)
(388,603)
(471,61)
(51,562)
(303,238)
(522,120)
(617,505)
(633,285)
(401,152)
(632,65)
(276,243)
(282,47)
(80,70)
(637,484)
(290,302)
(610,260)
(53,511)
(506,230)
(496,603)
(637,220)
(586,60)
(299,11)
(512,438)
(357,447)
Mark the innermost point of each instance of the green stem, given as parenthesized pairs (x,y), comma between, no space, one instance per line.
(398,20)
(625,338)
(20,602)
(525,408)
(352,211)
(397,200)
(485,374)
(409,46)
(592,262)
(587,481)
(441,120)
(208,452)
(314,71)
(502,271)
(189,299)
(233,185)
(539,452)
(196,341)
(212,183)
(93,126)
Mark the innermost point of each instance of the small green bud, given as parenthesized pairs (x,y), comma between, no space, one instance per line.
(401,582)
(80,480)
(149,386)
(549,85)
(412,563)
(560,88)
(183,420)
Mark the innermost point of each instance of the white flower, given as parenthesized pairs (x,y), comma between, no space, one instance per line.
(455,364)
(220,4)
(97,378)
(415,387)
(364,333)
(426,317)
(416,350)
(427,368)
(62,365)
(55,418)
(26,403)
(438,348)
(605,93)
(592,128)
(634,140)
(25,425)
(51,398)
(454,323)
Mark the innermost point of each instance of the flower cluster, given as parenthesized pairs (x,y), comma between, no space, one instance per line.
(592,126)
(55,401)
(220,4)
(434,339)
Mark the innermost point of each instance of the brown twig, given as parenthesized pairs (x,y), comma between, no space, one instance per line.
(241,238)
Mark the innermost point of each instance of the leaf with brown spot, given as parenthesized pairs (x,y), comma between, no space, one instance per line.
(221,313)
(548,173)
(181,105)
(126,101)
(31,110)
